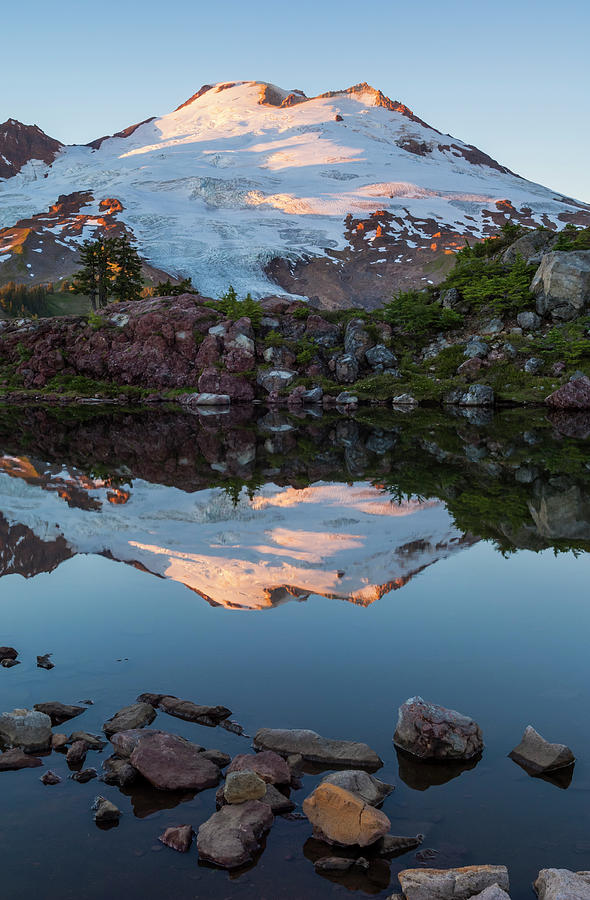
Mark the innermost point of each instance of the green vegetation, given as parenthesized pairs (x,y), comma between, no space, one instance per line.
(233,308)
(110,268)
(167,289)
(416,313)
(572,238)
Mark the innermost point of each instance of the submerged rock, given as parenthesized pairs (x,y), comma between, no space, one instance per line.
(172,763)
(434,732)
(84,776)
(394,844)
(15,759)
(231,837)
(242,786)
(59,712)
(44,662)
(138,715)
(8,663)
(561,884)
(538,756)
(50,778)
(28,729)
(365,786)
(340,817)
(314,748)
(119,772)
(451,884)
(178,837)
(268,765)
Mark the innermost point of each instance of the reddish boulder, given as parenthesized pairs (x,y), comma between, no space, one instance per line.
(435,732)
(212,381)
(179,837)
(268,765)
(573,395)
(171,763)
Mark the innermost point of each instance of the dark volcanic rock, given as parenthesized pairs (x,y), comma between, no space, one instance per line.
(231,837)
(193,712)
(178,837)
(172,763)
(17,759)
(135,716)
(434,732)
(59,712)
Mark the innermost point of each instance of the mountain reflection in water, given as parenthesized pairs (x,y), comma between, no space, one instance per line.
(251,511)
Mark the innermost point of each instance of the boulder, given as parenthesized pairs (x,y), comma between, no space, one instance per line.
(275,379)
(534,365)
(28,729)
(562,884)
(105,812)
(231,837)
(125,742)
(475,395)
(92,741)
(193,712)
(340,817)
(279,803)
(59,712)
(8,663)
(365,786)
(562,284)
(172,763)
(205,399)
(391,845)
(138,715)
(573,395)
(8,653)
(475,347)
(215,381)
(451,884)
(347,368)
(538,756)
(268,765)
(15,759)
(77,753)
(528,246)
(321,332)
(380,357)
(44,662)
(528,320)
(218,757)
(434,732)
(345,398)
(84,776)
(118,772)
(314,748)
(494,892)
(357,339)
(313,395)
(59,741)
(178,837)
(404,400)
(242,786)
(470,367)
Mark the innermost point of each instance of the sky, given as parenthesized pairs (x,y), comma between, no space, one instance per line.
(511,78)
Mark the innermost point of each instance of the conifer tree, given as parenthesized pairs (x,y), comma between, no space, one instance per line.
(126,265)
(110,267)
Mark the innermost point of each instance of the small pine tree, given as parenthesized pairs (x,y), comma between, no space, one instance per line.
(126,266)
(110,267)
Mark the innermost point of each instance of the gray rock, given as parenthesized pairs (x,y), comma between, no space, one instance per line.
(28,729)
(510,349)
(380,358)
(135,716)
(275,379)
(59,712)
(475,347)
(43,662)
(366,786)
(278,802)
(527,246)
(538,756)
(534,365)
(404,400)
(451,884)
(356,339)
(231,837)
(105,812)
(92,741)
(452,299)
(435,732)
(313,395)
(529,320)
(474,395)
(218,757)
(562,884)
(562,284)
(315,748)
(392,845)
(8,663)
(84,776)
(119,772)
(494,326)
(242,786)
(347,369)
(178,837)
(345,398)
(494,892)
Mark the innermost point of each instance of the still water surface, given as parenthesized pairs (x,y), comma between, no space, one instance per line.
(305,573)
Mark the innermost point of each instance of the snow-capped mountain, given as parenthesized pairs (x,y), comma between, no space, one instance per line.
(336,540)
(345,196)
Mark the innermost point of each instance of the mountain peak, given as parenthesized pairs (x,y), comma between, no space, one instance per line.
(20,143)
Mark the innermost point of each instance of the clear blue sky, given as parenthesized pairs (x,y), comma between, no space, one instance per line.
(512,78)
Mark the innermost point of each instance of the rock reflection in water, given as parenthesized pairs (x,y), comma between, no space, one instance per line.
(372,880)
(421,774)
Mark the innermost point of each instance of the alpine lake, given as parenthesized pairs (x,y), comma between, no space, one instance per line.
(305,571)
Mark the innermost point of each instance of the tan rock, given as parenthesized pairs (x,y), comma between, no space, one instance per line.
(451,884)
(340,817)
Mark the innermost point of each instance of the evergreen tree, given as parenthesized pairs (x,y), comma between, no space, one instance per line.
(86,280)
(126,264)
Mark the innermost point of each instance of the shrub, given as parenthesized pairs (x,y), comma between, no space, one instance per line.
(416,313)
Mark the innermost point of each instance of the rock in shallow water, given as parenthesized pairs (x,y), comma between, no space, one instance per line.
(434,732)
(538,756)
(178,837)
(172,763)
(44,662)
(125,742)
(366,786)
(268,765)
(118,772)
(231,837)
(8,653)
(242,786)
(77,753)
(105,812)
(340,817)
(137,715)
(561,884)
(28,729)
(59,712)
(50,778)
(12,760)
(451,884)
(315,748)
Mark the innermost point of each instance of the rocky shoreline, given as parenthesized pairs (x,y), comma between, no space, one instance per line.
(350,829)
